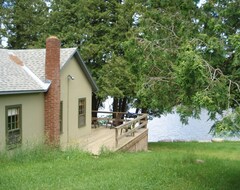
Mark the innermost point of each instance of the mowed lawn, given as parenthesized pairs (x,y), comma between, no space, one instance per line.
(182,165)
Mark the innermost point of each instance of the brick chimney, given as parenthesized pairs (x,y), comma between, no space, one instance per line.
(52,96)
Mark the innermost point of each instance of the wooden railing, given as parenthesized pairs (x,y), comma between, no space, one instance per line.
(127,127)
(130,127)
(118,119)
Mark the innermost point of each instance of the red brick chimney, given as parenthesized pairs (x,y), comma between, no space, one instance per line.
(52,96)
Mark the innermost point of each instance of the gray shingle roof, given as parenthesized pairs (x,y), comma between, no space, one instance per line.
(30,77)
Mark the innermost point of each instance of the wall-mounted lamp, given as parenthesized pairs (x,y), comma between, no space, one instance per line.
(70,77)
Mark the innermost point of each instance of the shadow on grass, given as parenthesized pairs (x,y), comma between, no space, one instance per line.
(204,165)
(222,175)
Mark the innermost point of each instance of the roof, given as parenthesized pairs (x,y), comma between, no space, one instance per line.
(23,71)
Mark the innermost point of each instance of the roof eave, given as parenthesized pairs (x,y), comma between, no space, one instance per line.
(86,71)
(84,68)
(45,89)
(23,92)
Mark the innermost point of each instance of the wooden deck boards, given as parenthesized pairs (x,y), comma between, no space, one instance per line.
(103,137)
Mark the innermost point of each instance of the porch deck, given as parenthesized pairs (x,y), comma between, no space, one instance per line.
(131,135)
(102,137)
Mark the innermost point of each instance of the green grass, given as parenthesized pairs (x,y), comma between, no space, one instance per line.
(170,166)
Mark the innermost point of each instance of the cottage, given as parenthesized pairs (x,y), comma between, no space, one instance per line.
(45,95)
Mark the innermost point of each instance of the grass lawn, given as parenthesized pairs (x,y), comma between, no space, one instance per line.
(189,165)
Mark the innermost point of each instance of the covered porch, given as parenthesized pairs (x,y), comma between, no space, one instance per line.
(131,134)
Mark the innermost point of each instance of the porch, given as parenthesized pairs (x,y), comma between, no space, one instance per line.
(131,134)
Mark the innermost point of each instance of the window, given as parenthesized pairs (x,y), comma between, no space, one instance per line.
(13,126)
(61,117)
(81,112)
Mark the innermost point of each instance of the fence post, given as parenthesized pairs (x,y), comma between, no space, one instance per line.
(145,120)
(116,137)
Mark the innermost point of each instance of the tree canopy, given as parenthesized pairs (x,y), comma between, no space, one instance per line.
(24,22)
(188,59)
(160,54)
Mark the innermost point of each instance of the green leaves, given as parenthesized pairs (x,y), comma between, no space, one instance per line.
(24,23)
(164,54)
(190,73)
(116,79)
(184,60)
(229,125)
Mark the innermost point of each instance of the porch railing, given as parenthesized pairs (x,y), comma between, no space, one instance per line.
(130,127)
(108,119)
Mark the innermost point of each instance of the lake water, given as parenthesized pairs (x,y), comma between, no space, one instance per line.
(169,127)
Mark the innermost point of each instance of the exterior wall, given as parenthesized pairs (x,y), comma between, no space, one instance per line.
(32,117)
(71,92)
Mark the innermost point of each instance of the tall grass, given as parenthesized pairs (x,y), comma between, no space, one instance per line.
(165,166)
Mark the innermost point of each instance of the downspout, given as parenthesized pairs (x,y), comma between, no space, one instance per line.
(69,77)
(68,111)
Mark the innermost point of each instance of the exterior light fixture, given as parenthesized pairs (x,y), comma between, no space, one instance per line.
(70,77)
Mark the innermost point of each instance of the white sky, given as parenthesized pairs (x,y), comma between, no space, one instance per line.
(201,2)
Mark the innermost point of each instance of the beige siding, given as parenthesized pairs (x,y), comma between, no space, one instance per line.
(71,91)
(32,117)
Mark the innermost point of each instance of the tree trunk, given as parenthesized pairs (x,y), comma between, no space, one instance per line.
(120,101)
(144,110)
(137,110)
(115,109)
(124,105)
(95,104)
(119,105)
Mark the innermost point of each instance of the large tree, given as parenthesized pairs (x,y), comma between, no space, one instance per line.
(24,23)
(2,15)
(162,36)
(221,34)
(162,54)
(96,27)
(99,28)
(185,59)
